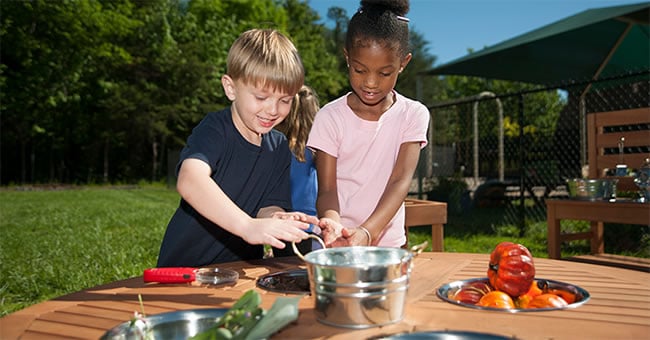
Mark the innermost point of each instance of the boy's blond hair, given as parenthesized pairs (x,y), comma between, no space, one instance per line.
(268,59)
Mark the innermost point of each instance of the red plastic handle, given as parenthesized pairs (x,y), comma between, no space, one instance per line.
(170,274)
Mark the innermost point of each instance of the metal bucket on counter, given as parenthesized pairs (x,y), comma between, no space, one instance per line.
(592,189)
(359,287)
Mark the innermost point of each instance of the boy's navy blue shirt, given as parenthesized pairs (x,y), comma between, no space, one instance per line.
(252,176)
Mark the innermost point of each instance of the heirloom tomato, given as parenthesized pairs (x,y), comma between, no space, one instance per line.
(547,300)
(511,268)
(472,292)
(567,296)
(496,299)
(524,299)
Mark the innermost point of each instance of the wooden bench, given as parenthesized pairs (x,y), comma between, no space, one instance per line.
(604,131)
(423,212)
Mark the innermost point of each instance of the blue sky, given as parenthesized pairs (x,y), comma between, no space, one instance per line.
(453,26)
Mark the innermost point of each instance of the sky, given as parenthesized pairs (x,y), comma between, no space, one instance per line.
(453,26)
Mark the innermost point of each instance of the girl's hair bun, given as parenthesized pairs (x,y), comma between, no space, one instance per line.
(399,7)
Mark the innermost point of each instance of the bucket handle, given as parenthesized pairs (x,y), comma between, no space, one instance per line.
(419,248)
(415,251)
(297,251)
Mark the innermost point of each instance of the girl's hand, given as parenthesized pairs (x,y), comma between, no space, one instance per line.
(358,237)
(334,234)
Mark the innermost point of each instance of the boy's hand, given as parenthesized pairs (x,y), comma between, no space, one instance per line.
(273,231)
(297,216)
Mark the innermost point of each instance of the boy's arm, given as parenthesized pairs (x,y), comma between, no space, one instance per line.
(199,190)
(396,189)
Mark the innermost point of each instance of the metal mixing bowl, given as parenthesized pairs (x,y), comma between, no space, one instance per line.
(173,325)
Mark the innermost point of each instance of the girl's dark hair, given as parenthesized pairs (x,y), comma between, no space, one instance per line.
(380,20)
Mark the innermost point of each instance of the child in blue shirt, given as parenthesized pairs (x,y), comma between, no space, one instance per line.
(304,182)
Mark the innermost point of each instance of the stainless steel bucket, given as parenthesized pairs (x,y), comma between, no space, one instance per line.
(592,189)
(359,287)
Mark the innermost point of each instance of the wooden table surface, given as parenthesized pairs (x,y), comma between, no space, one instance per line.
(619,307)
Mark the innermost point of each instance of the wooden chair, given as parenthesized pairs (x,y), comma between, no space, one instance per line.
(604,132)
(423,212)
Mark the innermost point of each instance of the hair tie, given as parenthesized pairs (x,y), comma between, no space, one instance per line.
(401,18)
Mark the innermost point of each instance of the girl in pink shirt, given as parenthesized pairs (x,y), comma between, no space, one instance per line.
(368,142)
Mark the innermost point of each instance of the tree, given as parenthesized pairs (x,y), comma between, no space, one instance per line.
(96,91)
(51,52)
(411,83)
(310,40)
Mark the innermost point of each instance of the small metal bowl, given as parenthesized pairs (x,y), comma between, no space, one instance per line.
(173,325)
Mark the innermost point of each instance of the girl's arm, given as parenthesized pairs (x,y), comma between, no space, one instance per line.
(327,202)
(199,190)
(396,190)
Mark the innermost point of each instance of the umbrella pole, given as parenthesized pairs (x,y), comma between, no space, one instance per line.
(583,131)
(607,58)
(583,109)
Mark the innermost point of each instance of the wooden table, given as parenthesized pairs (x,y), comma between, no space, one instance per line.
(597,212)
(619,306)
(423,212)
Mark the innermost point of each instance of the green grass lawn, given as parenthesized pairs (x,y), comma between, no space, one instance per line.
(59,241)
(55,242)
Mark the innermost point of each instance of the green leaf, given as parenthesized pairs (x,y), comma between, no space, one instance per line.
(283,312)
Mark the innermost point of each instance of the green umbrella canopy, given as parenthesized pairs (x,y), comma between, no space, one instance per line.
(596,43)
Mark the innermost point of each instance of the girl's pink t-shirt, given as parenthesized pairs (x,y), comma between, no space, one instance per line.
(366,152)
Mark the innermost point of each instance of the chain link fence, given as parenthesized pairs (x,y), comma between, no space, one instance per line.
(512,151)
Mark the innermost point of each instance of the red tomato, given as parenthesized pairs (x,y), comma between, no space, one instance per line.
(471,293)
(511,268)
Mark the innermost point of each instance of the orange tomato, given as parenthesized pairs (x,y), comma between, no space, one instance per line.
(567,296)
(547,300)
(523,300)
(496,299)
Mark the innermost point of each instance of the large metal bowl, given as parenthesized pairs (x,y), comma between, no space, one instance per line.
(592,189)
(445,292)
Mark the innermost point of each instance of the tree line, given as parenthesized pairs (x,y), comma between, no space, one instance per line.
(98,91)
